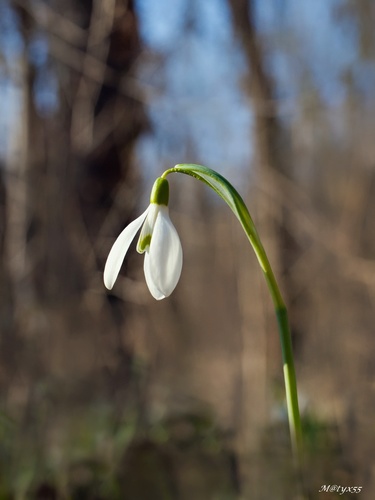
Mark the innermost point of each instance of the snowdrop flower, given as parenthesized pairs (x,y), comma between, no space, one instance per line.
(159,242)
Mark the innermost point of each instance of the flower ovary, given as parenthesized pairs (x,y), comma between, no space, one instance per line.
(160,192)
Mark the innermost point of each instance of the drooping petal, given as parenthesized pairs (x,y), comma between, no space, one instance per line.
(155,292)
(164,256)
(119,249)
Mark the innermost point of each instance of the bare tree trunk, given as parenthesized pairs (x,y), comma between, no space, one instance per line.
(73,163)
(261,355)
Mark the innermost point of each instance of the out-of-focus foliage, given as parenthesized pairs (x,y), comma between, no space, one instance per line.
(113,395)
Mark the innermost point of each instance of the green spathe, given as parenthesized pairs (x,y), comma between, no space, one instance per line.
(160,192)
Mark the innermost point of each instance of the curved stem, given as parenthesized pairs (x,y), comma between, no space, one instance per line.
(229,194)
(286,347)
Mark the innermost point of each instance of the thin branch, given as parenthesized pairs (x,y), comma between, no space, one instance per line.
(53,22)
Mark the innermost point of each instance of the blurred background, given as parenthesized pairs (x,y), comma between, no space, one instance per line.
(113,395)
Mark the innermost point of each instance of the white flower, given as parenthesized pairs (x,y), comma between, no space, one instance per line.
(160,243)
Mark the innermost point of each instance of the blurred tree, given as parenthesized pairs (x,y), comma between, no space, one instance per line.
(272,152)
(74,152)
(86,148)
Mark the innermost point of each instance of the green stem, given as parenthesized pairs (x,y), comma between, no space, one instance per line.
(229,194)
(285,340)
(286,345)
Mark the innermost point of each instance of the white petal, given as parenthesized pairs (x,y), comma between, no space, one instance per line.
(119,249)
(165,255)
(155,292)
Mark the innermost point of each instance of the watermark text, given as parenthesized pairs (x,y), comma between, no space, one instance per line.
(330,488)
